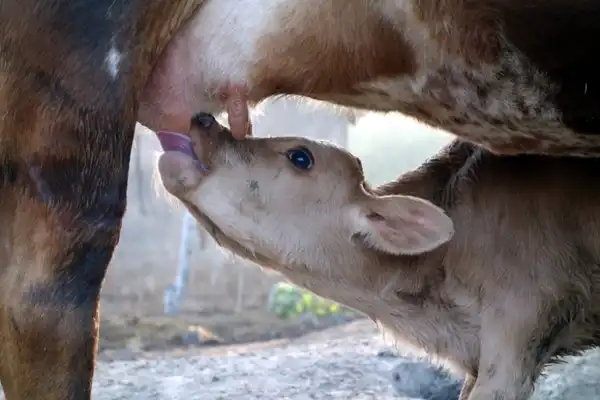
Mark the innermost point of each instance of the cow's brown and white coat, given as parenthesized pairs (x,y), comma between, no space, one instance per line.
(515,76)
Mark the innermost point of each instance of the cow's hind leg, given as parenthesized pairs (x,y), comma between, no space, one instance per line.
(60,217)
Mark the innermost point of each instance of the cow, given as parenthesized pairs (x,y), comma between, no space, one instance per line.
(75,75)
(488,262)
(513,76)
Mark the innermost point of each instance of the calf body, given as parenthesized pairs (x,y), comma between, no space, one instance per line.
(496,271)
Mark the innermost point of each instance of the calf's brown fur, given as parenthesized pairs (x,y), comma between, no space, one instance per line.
(500,283)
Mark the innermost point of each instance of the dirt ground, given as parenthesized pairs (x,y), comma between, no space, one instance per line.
(132,316)
(353,361)
(345,362)
(133,323)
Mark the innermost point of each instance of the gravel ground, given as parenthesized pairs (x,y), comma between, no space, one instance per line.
(350,362)
(313,367)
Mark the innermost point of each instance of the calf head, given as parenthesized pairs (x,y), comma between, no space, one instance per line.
(291,202)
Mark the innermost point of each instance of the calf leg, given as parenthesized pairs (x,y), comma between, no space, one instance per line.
(239,298)
(508,366)
(467,387)
(503,377)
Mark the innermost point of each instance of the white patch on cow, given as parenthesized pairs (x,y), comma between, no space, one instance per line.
(402,15)
(112,61)
(227,32)
(216,48)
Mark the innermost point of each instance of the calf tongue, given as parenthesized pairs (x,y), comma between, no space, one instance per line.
(171,141)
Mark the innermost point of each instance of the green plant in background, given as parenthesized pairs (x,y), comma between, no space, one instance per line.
(288,301)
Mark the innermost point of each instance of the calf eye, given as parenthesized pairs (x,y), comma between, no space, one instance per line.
(300,158)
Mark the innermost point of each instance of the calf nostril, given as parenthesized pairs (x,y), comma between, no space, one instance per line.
(203,120)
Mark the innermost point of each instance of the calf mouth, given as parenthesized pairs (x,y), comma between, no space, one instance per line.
(205,137)
(181,143)
(174,142)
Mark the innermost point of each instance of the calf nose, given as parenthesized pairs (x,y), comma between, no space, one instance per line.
(203,121)
(204,126)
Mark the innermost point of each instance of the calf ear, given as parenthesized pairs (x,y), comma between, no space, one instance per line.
(179,173)
(403,225)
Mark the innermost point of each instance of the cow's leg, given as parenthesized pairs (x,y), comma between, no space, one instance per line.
(60,218)
(71,73)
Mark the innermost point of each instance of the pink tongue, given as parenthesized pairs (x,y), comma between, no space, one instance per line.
(171,141)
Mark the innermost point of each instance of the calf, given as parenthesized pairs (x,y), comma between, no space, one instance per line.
(488,262)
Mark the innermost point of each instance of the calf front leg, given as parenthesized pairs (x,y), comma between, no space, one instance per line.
(507,367)
(504,377)
(60,219)
(467,387)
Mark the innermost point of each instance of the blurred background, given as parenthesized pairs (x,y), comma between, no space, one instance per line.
(225,300)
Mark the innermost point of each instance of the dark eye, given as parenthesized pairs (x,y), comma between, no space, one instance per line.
(301,158)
